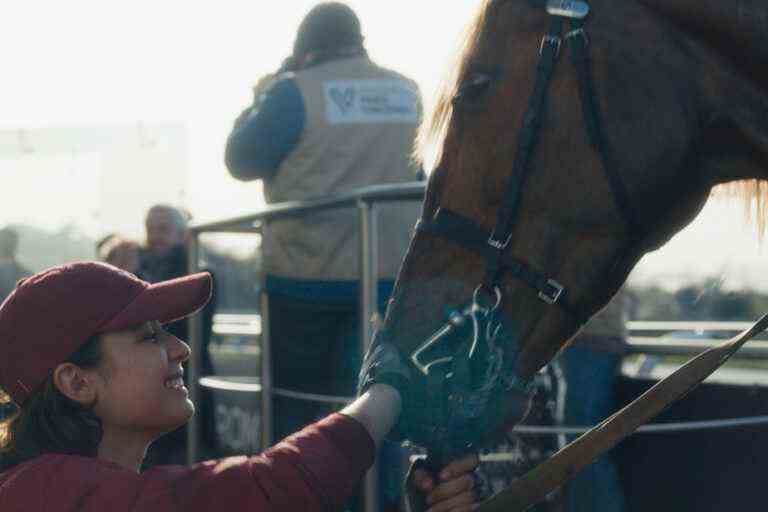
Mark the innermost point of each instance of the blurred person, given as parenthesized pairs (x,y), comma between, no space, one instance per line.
(526,451)
(84,353)
(164,257)
(591,364)
(165,251)
(121,253)
(329,120)
(11,271)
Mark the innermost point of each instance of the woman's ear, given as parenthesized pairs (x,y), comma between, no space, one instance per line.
(75,383)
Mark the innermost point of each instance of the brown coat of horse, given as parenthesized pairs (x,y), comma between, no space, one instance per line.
(682,89)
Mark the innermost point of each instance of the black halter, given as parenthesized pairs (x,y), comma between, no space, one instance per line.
(492,246)
(472,358)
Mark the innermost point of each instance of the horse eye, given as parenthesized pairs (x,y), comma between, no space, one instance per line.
(474,89)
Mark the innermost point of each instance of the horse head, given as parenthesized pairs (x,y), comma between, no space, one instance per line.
(575,138)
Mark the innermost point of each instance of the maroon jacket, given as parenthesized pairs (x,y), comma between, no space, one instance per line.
(314,470)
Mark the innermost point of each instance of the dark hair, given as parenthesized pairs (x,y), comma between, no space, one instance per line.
(49,422)
(328,27)
(101,242)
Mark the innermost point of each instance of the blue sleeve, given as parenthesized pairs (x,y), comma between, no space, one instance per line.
(266,133)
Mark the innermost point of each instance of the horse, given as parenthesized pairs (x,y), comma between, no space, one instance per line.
(553,179)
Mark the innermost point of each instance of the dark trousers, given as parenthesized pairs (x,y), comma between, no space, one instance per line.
(591,377)
(316,349)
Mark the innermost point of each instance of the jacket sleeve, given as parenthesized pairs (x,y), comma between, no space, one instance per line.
(316,469)
(266,133)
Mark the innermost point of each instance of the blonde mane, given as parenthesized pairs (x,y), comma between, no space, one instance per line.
(433,130)
(5,432)
(754,194)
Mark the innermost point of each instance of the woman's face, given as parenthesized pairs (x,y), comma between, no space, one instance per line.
(140,381)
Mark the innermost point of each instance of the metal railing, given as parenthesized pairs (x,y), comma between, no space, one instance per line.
(645,338)
(365,200)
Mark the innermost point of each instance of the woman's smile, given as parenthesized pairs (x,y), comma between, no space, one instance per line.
(176,382)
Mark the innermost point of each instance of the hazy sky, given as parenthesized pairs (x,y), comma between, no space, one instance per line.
(193,63)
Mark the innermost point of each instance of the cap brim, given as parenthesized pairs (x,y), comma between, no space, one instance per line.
(166,301)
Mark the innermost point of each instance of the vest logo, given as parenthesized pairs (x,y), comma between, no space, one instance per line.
(343,98)
(370,101)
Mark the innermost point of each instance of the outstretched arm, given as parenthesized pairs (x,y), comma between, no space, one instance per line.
(377,409)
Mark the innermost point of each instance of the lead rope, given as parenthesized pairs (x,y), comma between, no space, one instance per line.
(534,486)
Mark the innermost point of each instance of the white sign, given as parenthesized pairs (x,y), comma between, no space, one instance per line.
(370,101)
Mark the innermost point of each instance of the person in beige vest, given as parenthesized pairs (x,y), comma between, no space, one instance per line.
(328,121)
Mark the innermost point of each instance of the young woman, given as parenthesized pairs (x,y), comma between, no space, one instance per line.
(84,355)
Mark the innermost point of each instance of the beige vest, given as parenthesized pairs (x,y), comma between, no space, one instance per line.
(360,124)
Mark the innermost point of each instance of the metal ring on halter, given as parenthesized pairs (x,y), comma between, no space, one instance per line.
(476,295)
(579,32)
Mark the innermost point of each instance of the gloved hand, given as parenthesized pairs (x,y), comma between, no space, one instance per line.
(383,364)
(458,395)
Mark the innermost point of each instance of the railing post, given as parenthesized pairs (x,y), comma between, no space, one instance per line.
(195,335)
(368,307)
(265,355)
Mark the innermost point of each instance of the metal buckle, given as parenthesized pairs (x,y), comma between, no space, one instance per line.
(551,299)
(455,320)
(555,41)
(578,32)
(498,244)
(575,9)
(476,302)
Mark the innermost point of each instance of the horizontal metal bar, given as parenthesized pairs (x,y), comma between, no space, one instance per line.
(645,325)
(410,191)
(312,397)
(230,385)
(236,330)
(634,326)
(250,325)
(250,386)
(661,347)
(654,428)
(237,318)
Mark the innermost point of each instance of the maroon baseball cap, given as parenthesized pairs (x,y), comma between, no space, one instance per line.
(51,314)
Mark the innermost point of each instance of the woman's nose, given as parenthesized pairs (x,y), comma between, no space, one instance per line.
(178,350)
